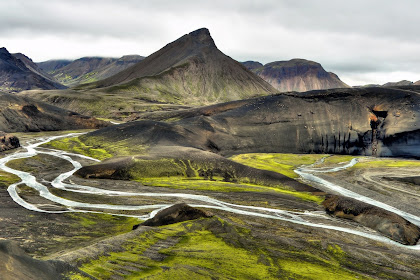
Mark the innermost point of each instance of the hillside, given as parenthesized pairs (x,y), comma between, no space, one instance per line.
(371,121)
(295,75)
(16,76)
(87,69)
(400,83)
(190,70)
(24,114)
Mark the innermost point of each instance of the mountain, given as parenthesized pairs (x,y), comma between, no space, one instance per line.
(87,69)
(400,83)
(33,66)
(295,75)
(417,83)
(16,76)
(190,70)
(25,114)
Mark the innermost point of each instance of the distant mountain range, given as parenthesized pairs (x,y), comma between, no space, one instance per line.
(295,75)
(87,69)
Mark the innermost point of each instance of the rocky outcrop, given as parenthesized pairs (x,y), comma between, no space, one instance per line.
(295,75)
(175,214)
(385,222)
(15,75)
(8,142)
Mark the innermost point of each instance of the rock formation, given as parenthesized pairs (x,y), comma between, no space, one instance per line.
(8,141)
(176,213)
(295,75)
(385,222)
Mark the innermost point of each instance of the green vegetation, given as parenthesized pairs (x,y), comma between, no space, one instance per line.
(218,185)
(82,229)
(388,163)
(74,144)
(280,163)
(213,249)
(7,179)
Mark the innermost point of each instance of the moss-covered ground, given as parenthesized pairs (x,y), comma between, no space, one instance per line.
(281,163)
(215,249)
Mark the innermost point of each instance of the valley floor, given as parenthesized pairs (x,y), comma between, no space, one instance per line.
(275,241)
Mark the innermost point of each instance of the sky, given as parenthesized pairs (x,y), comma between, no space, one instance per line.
(362,41)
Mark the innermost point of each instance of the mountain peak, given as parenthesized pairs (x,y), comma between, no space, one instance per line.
(201,36)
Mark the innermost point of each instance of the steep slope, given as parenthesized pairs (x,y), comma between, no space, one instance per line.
(25,114)
(33,66)
(296,75)
(189,70)
(15,76)
(89,69)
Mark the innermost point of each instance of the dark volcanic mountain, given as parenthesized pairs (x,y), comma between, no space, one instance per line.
(189,70)
(15,76)
(33,66)
(368,121)
(25,114)
(88,69)
(295,75)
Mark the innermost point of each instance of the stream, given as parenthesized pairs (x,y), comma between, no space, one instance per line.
(302,218)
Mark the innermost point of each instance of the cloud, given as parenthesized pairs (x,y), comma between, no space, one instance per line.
(349,38)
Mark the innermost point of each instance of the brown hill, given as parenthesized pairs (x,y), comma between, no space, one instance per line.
(15,76)
(296,75)
(189,70)
(88,69)
(417,83)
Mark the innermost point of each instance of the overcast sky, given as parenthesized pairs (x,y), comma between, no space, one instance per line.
(362,41)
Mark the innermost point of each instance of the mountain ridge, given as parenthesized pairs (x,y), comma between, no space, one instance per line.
(295,75)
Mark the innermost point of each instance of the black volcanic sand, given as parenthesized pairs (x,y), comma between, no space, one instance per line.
(59,235)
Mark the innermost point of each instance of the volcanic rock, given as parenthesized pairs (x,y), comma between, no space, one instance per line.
(8,142)
(296,75)
(175,214)
(383,221)
(15,76)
